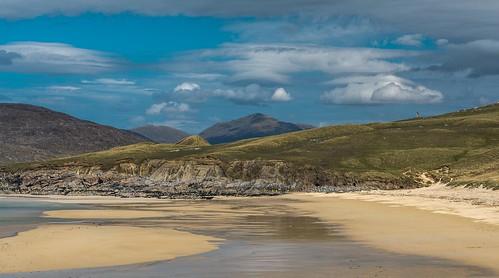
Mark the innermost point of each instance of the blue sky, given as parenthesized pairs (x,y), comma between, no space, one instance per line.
(191,64)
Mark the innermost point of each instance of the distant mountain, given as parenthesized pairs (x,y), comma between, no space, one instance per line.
(161,134)
(254,125)
(30,132)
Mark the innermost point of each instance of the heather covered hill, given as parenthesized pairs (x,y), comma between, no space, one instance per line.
(33,133)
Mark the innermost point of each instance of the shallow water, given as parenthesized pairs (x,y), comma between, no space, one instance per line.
(264,238)
(22,214)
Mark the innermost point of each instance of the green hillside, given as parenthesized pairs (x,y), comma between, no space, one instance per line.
(466,141)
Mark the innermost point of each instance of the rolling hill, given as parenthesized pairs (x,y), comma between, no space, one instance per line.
(461,148)
(35,133)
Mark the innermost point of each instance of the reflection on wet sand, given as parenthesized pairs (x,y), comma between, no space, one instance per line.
(264,237)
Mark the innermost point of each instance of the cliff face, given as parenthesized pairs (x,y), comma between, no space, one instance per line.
(188,179)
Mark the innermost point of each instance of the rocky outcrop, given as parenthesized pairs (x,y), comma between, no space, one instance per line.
(188,179)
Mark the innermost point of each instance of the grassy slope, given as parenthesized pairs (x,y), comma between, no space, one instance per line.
(467,141)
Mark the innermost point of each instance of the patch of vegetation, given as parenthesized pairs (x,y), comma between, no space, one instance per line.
(466,141)
(193,141)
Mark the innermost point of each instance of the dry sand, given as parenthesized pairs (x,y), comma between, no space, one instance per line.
(479,204)
(405,229)
(53,247)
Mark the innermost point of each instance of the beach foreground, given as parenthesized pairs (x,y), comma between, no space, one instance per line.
(434,238)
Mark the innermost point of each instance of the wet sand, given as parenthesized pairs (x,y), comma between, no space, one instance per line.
(102,214)
(284,236)
(406,229)
(52,247)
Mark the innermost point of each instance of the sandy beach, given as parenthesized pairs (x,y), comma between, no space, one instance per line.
(456,224)
(52,247)
(412,225)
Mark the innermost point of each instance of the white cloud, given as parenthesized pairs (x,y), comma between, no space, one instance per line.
(187,87)
(63,88)
(281,95)
(55,58)
(410,40)
(379,89)
(109,81)
(168,107)
(257,63)
(252,94)
(442,42)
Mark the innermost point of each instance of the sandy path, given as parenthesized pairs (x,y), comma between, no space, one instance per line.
(405,229)
(53,247)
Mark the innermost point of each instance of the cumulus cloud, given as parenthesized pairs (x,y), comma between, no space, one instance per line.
(275,63)
(168,107)
(55,58)
(187,87)
(415,40)
(379,89)
(281,95)
(109,81)
(252,94)
(6,58)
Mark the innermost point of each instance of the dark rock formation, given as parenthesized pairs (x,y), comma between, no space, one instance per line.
(188,179)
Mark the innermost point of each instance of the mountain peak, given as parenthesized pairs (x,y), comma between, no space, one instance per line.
(253,125)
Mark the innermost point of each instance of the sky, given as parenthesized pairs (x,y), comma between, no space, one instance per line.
(189,64)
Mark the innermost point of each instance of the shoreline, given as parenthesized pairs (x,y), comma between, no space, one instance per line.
(478,204)
(458,224)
